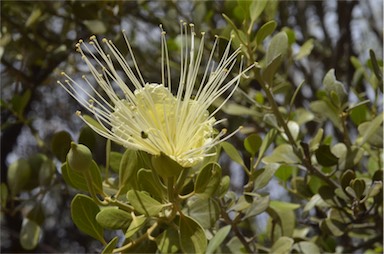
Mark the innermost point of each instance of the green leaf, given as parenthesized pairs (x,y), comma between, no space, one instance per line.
(46,172)
(19,173)
(375,66)
(283,213)
(267,141)
(3,194)
(256,8)
(37,163)
(332,227)
(208,180)
(315,142)
(73,178)
(282,154)
(29,234)
(19,102)
(150,183)
(233,153)
(332,85)
(371,131)
(95,125)
(61,143)
(87,137)
(137,223)
(327,111)
(284,172)
(325,157)
(18,176)
(143,203)
(115,161)
(294,129)
(95,26)
(263,176)
(252,144)
(224,186)
(282,245)
(358,186)
(166,166)
(83,212)
(218,239)
(96,177)
(359,113)
(114,218)
(192,236)
(168,241)
(306,247)
(205,212)
(128,166)
(278,47)
(36,214)
(305,49)
(271,69)
(347,177)
(110,246)
(265,30)
(258,206)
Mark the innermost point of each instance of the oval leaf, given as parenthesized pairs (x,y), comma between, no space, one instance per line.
(114,218)
(282,245)
(192,236)
(83,212)
(218,239)
(252,144)
(143,203)
(325,157)
(29,234)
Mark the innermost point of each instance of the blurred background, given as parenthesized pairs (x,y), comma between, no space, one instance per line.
(37,43)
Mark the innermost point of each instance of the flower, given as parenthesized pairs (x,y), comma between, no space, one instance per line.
(151,118)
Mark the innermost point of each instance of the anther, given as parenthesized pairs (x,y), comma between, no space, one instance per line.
(78,113)
(93,37)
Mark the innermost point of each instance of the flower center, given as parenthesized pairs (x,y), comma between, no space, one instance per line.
(159,122)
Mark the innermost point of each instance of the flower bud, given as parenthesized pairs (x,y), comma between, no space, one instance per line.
(79,158)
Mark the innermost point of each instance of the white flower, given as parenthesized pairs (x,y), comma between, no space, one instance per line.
(151,118)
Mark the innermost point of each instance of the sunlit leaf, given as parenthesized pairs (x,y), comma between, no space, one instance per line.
(282,245)
(282,154)
(29,234)
(137,223)
(305,49)
(332,85)
(306,247)
(256,8)
(218,239)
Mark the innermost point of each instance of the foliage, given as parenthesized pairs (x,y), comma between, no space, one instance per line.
(324,148)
